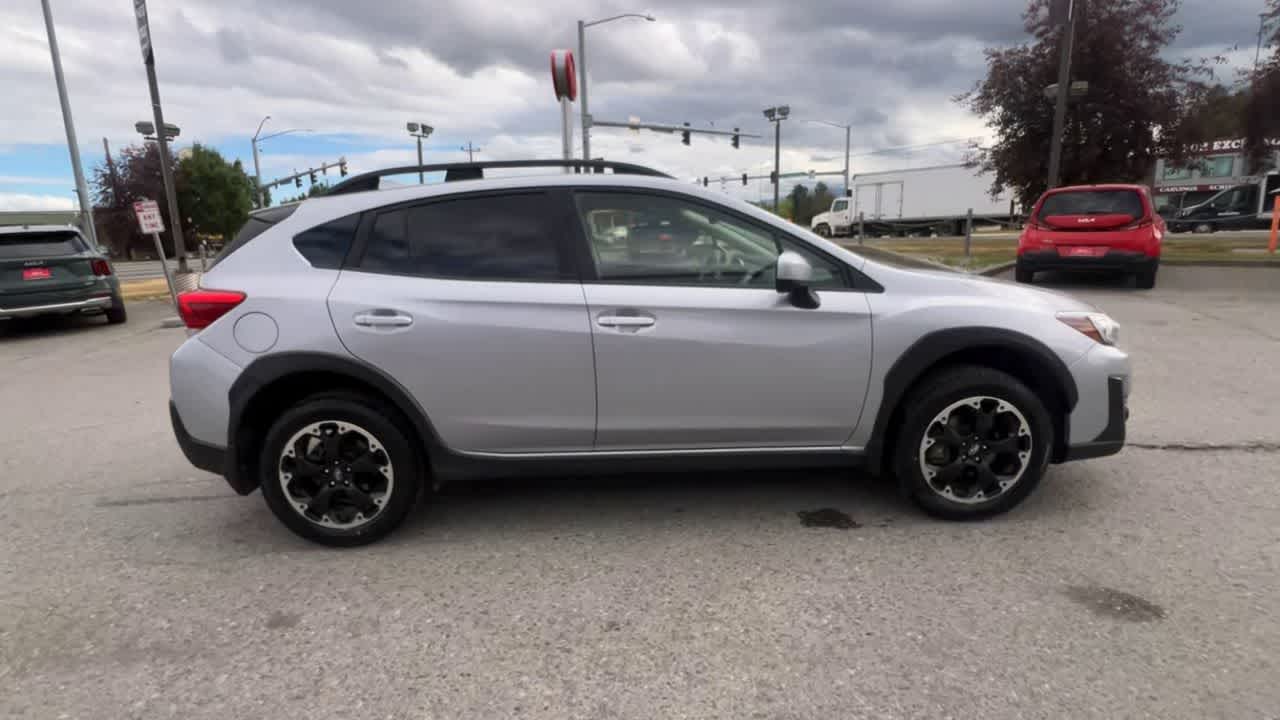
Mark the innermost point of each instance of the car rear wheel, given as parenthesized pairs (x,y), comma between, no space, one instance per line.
(975,442)
(116,314)
(336,469)
(1023,275)
(1203,228)
(1146,278)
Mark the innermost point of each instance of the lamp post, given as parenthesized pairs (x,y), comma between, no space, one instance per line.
(582,72)
(848,132)
(776,115)
(420,131)
(82,190)
(257,173)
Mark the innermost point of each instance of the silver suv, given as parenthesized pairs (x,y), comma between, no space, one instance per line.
(358,349)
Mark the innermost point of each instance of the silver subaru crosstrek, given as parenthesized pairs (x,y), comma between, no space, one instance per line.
(355,350)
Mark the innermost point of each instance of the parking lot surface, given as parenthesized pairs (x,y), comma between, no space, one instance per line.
(1143,585)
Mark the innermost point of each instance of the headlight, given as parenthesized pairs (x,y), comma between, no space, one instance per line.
(1098,326)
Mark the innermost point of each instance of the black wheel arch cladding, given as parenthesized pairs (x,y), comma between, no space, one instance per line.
(935,348)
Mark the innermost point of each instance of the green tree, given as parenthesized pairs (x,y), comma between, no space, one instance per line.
(136,177)
(1135,110)
(800,210)
(1262,109)
(213,194)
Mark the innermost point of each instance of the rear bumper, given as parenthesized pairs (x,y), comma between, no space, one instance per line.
(1114,260)
(1111,440)
(92,304)
(204,456)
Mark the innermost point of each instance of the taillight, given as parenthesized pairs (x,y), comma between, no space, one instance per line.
(1139,225)
(101,267)
(199,308)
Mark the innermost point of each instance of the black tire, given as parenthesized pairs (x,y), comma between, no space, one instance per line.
(373,416)
(935,394)
(1204,228)
(823,230)
(1023,275)
(116,314)
(1145,279)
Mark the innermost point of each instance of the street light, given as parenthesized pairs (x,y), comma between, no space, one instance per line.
(257,172)
(420,131)
(776,115)
(848,131)
(582,72)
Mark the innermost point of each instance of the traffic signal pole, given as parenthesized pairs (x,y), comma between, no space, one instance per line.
(1064,93)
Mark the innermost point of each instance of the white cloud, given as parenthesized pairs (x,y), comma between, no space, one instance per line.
(17,202)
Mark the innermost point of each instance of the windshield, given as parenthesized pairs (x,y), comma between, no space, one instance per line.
(1093,202)
(28,245)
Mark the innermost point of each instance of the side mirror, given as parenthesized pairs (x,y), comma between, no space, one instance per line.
(792,278)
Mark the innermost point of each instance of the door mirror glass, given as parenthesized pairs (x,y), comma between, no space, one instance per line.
(793,277)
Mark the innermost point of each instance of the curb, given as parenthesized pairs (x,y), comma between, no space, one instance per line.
(996,269)
(1222,263)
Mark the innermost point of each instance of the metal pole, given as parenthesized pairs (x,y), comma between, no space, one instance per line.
(566,130)
(582,90)
(1064,91)
(257,176)
(421,178)
(168,276)
(848,129)
(166,172)
(82,190)
(968,233)
(862,233)
(1257,54)
(777,162)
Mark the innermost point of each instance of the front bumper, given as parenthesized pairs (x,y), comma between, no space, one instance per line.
(93,304)
(1113,260)
(1111,440)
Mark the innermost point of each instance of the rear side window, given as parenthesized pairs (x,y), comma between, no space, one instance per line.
(34,245)
(494,237)
(325,246)
(1093,202)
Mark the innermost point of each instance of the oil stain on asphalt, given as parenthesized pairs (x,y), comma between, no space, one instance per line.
(1107,602)
(827,518)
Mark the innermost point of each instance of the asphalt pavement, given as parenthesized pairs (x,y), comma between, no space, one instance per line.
(1143,585)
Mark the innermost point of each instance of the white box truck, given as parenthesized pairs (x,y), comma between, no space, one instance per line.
(928,200)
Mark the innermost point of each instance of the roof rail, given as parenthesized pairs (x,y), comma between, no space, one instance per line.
(475,171)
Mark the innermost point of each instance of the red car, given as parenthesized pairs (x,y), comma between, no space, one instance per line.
(1093,227)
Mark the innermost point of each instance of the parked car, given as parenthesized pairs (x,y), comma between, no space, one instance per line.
(1093,227)
(1242,207)
(419,335)
(52,270)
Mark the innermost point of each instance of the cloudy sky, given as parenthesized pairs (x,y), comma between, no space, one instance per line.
(354,72)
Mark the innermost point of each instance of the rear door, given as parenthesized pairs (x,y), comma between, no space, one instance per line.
(472,303)
(42,268)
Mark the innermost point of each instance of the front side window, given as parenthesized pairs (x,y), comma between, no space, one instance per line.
(840,206)
(492,237)
(661,240)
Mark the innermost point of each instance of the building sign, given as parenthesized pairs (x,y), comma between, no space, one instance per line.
(1232,145)
(1202,188)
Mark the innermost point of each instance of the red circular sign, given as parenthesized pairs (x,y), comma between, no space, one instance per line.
(564,74)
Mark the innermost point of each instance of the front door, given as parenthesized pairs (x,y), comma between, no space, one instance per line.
(471,304)
(695,349)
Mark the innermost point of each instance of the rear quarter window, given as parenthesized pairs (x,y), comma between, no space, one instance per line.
(325,246)
(257,224)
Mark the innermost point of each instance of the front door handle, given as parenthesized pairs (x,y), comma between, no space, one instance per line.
(382,319)
(625,321)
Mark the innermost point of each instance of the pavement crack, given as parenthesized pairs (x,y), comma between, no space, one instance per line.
(1260,447)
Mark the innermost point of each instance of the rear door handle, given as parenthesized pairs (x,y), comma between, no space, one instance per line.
(383,319)
(625,321)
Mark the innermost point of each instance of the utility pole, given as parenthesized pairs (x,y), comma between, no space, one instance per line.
(162,140)
(1064,91)
(111,174)
(471,151)
(420,131)
(1262,27)
(257,168)
(581,62)
(776,115)
(82,190)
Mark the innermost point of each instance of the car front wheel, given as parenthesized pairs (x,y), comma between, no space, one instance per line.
(975,442)
(338,470)
(823,230)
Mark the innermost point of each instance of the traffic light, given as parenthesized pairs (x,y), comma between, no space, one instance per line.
(342,167)
(312,174)
(684,135)
(705,181)
(735,139)
(324,170)
(297,181)
(773,177)
(744,179)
